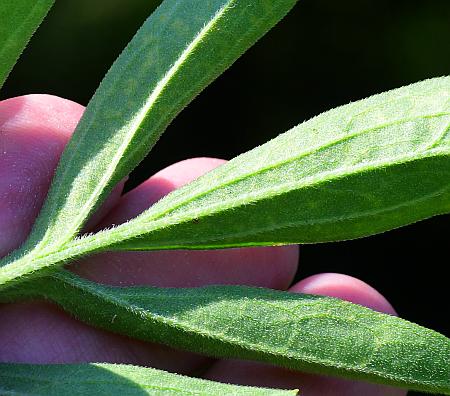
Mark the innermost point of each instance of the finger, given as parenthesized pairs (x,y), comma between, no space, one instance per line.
(91,342)
(272,267)
(41,333)
(34,130)
(346,288)
(250,373)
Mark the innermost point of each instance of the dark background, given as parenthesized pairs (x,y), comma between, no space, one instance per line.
(325,53)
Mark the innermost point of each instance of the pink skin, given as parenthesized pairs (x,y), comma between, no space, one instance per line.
(33,132)
(169,269)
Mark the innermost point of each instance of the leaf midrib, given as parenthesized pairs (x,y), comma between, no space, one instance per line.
(301,155)
(103,239)
(161,221)
(136,122)
(258,348)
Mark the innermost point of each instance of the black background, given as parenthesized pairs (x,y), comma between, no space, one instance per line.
(325,53)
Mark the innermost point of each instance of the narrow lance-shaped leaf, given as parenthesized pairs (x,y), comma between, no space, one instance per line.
(301,332)
(357,170)
(112,379)
(19,19)
(180,49)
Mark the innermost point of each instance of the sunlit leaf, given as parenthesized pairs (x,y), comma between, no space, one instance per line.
(299,331)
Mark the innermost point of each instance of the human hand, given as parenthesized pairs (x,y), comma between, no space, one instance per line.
(33,132)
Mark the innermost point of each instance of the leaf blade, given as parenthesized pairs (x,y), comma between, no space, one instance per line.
(20,19)
(300,332)
(179,50)
(354,171)
(296,188)
(106,379)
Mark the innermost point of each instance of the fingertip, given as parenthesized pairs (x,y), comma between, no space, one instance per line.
(160,184)
(183,172)
(40,113)
(346,288)
(272,267)
(34,130)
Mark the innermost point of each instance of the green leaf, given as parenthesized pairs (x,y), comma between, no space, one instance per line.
(179,50)
(357,170)
(354,171)
(301,332)
(19,20)
(111,379)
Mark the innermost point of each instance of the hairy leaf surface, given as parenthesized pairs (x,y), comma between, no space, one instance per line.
(357,170)
(19,19)
(298,331)
(180,49)
(112,379)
